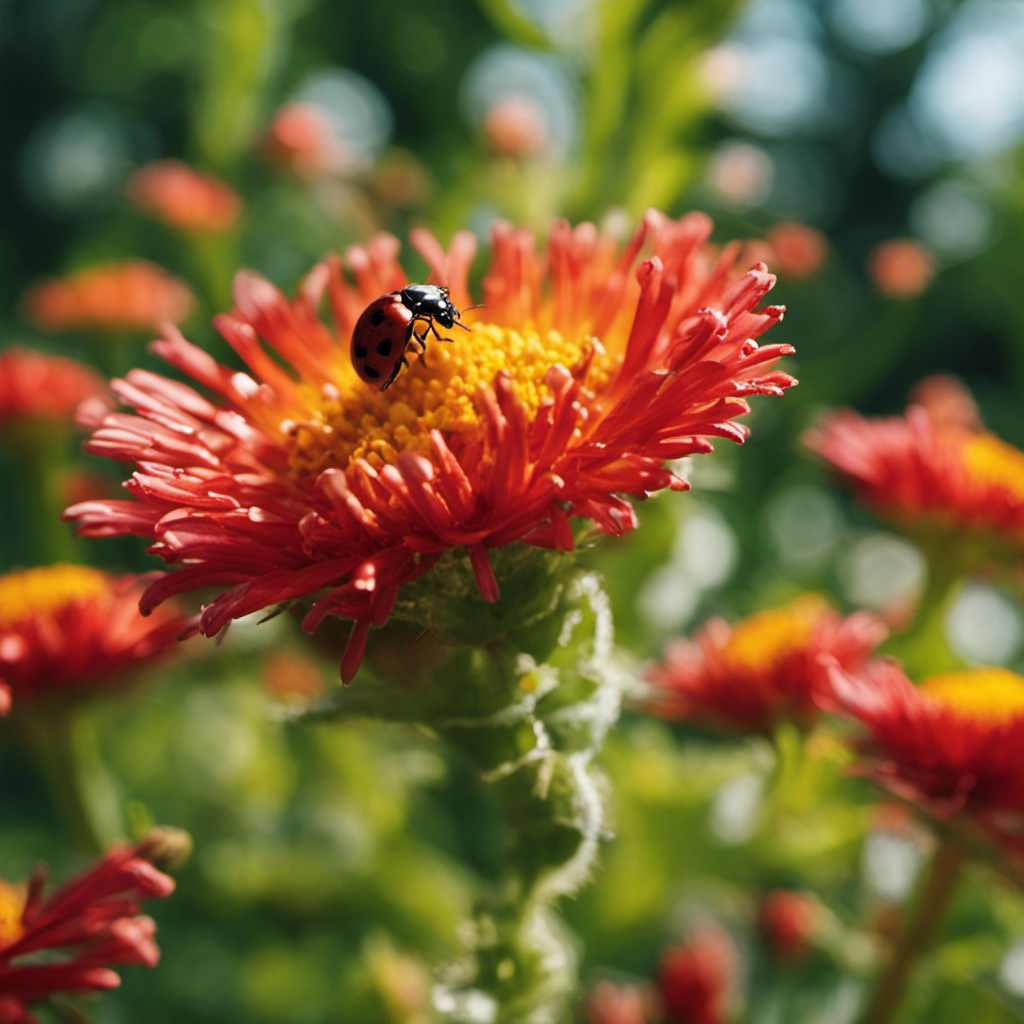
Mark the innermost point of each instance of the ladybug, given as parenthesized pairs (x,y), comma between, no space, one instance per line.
(388,326)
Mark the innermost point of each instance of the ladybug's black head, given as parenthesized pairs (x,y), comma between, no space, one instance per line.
(429,300)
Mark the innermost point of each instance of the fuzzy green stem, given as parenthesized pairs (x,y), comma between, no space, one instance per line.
(66,746)
(936,893)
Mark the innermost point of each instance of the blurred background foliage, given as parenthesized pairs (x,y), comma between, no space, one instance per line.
(333,865)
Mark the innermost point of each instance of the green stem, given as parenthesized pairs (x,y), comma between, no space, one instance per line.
(924,648)
(943,876)
(42,460)
(66,745)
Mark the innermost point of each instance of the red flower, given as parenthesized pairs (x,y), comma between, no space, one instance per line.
(575,386)
(766,668)
(69,629)
(788,921)
(183,198)
(929,469)
(695,979)
(954,745)
(37,388)
(129,296)
(67,942)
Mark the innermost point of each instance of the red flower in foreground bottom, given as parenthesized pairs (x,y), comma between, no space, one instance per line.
(577,382)
(69,940)
(953,745)
(926,471)
(763,670)
(68,629)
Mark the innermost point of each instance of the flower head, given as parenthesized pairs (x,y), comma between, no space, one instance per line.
(799,251)
(575,385)
(302,140)
(183,198)
(695,979)
(516,126)
(67,941)
(68,629)
(766,668)
(36,388)
(954,745)
(609,1003)
(788,921)
(901,268)
(132,295)
(932,468)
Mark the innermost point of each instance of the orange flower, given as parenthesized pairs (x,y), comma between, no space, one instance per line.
(300,139)
(69,629)
(38,388)
(954,745)
(765,669)
(129,296)
(66,942)
(575,386)
(799,251)
(930,468)
(183,198)
(516,126)
(901,268)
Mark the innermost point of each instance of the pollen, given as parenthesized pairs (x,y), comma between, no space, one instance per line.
(990,696)
(12,907)
(356,421)
(44,590)
(990,461)
(763,640)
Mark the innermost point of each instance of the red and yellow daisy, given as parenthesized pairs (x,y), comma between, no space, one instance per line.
(954,745)
(183,198)
(763,670)
(68,941)
(132,295)
(931,469)
(37,389)
(579,380)
(68,629)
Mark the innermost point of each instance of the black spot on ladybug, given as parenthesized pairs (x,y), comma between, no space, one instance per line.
(361,353)
(384,347)
(371,372)
(378,317)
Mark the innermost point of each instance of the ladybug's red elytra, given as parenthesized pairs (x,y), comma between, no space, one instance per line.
(388,325)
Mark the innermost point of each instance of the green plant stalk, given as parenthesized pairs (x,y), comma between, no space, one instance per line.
(41,455)
(64,741)
(940,884)
(525,691)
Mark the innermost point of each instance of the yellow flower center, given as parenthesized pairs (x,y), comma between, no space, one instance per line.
(763,640)
(41,591)
(987,460)
(357,421)
(12,905)
(989,696)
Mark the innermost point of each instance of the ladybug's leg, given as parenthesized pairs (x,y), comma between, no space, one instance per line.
(431,327)
(402,361)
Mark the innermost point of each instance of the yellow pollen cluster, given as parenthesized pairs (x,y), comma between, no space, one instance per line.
(990,696)
(988,460)
(763,640)
(431,394)
(12,905)
(44,590)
